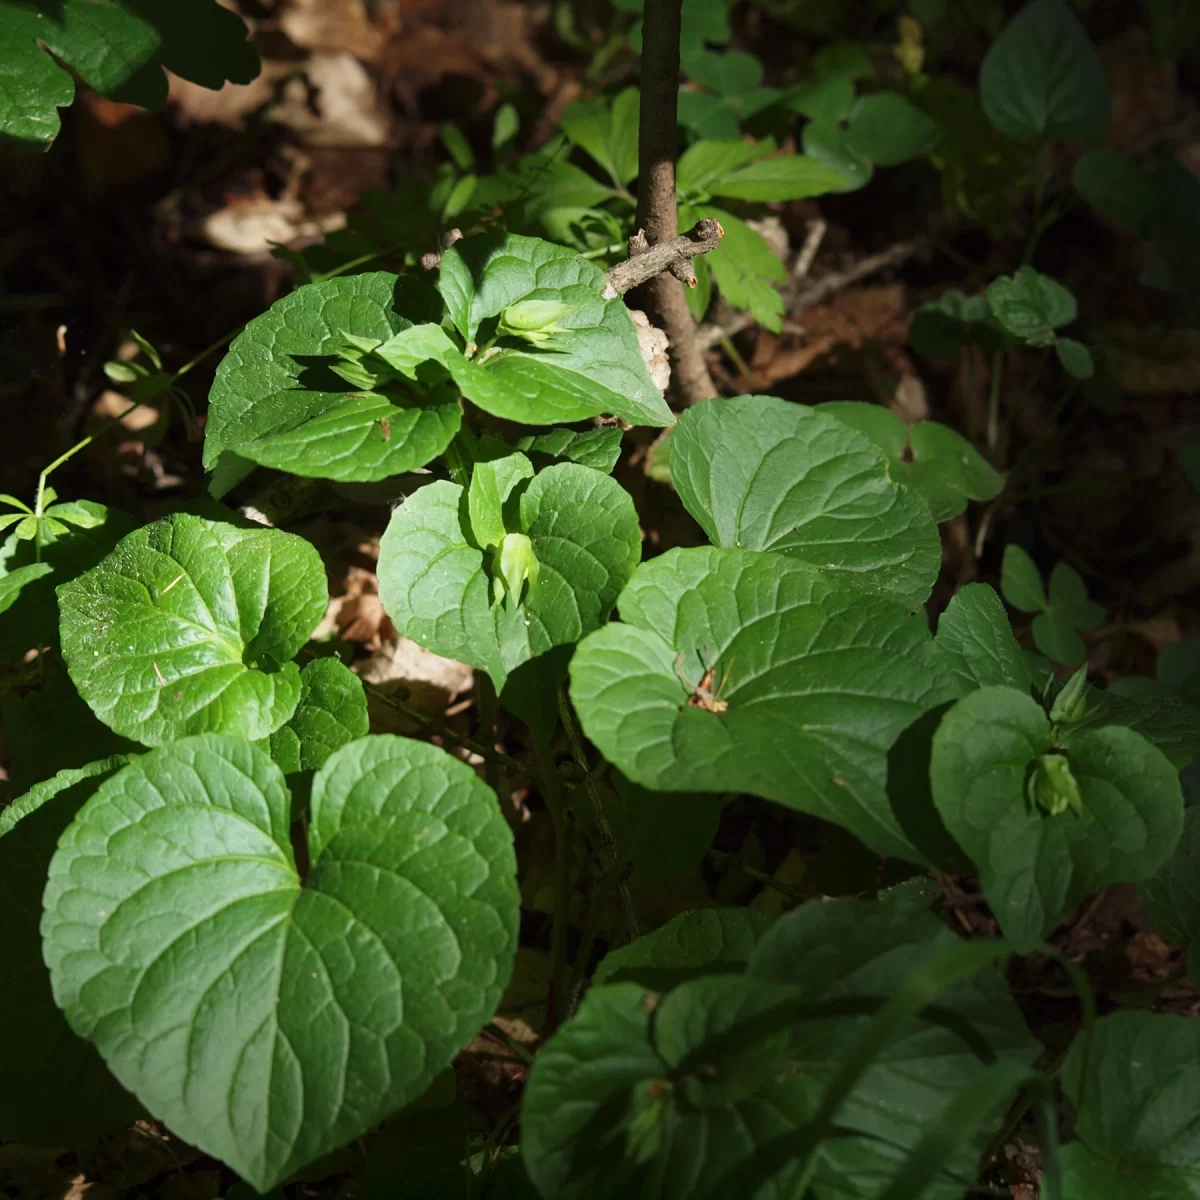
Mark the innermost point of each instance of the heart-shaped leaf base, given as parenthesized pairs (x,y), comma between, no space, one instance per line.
(263,1019)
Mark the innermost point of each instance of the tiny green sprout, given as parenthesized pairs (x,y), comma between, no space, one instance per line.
(534,320)
(1071,703)
(359,365)
(515,564)
(1053,787)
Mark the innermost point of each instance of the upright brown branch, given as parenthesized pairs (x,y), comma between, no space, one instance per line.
(656,214)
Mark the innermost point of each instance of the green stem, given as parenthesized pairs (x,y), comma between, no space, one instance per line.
(223,340)
(732,860)
(486,693)
(993,424)
(438,726)
(575,741)
(39,503)
(738,361)
(591,932)
(1030,453)
(1039,198)
(361,260)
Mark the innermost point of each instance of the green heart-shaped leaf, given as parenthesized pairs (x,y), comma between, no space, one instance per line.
(331,712)
(887,130)
(57,1090)
(592,366)
(265,1019)
(1159,714)
(1035,866)
(1042,79)
(607,1111)
(117,49)
(276,401)
(760,473)
(1135,1085)
(1021,581)
(188,626)
(660,833)
(976,641)
(930,458)
(742,671)
(433,577)
(1114,184)
(1031,306)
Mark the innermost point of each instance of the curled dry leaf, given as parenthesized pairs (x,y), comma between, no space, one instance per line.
(652,342)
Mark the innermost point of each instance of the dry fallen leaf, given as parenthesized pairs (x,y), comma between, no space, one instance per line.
(228,105)
(332,25)
(343,109)
(252,224)
(853,318)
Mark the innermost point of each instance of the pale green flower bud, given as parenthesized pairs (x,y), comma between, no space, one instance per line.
(534,320)
(1053,787)
(514,564)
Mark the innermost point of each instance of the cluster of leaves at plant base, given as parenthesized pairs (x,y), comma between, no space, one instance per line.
(789,659)
(718,1056)
(118,47)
